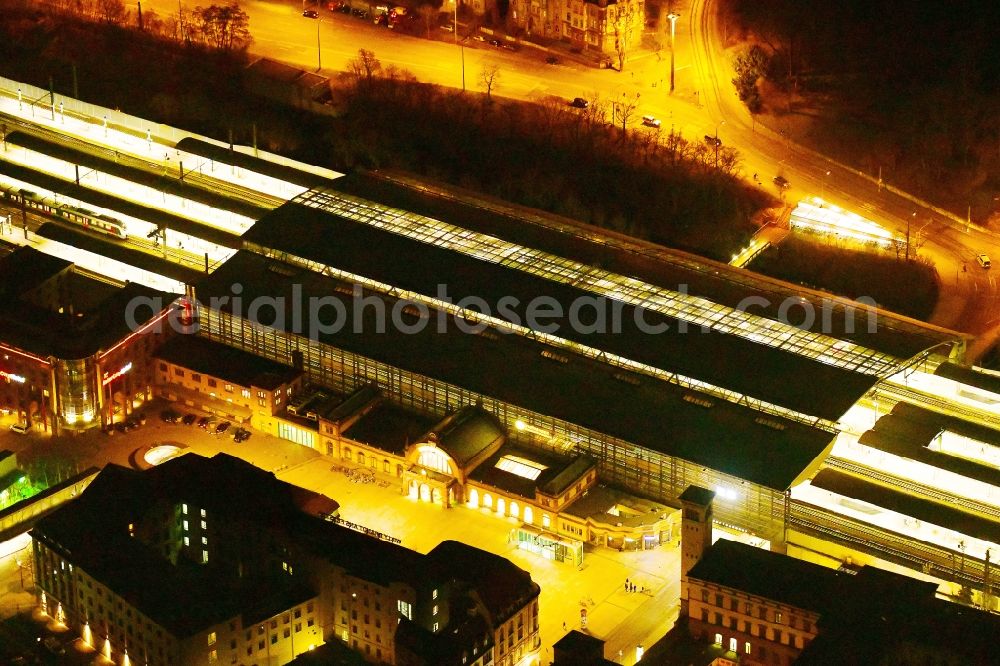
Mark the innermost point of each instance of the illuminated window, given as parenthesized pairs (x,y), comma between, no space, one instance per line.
(245,393)
(131,529)
(405,609)
(718,639)
(204,541)
(211,638)
(203,514)
(546,521)
(777,618)
(204,556)
(434,594)
(746,648)
(435,626)
(434,611)
(204,525)
(185,526)
(184,509)
(434,459)
(522,467)
(213,656)
(187,542)
(229,388)
(734,645)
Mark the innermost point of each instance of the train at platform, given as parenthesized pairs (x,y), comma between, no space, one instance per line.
(81,217)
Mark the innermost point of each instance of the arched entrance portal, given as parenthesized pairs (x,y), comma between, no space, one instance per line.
(436,496)
(501,506)
(425,492)
(474,498)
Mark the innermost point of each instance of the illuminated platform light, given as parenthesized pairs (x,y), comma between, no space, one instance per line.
(820,217)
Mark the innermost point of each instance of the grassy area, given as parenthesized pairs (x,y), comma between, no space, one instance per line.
(906,287)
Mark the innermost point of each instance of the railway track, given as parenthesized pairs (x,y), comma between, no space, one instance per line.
(919,555)
(192,177)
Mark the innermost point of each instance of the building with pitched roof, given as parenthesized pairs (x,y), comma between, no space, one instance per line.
(179,565)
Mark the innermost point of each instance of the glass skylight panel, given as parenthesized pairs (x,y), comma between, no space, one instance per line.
(527,469)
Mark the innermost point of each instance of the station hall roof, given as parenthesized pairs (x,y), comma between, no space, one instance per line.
(924,510)
(250,163)
(894,335)
(225,362)
(908,431)
(732,362)
(645,411)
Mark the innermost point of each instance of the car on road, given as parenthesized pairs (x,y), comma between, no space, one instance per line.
(983,260)
(552,60)
(19,428)
(311,13)
(170,416)
(447,27)
(360,13)
(496,42)
(204,421)
(241,435)
(189,419)
(579,103)
(132,423)
(650,121)
(222,427)
(782,182)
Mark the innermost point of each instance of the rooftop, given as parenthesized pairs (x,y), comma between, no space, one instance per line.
(648,337)
(632,511)
(85,327)
(644,411)
(553,471)
(184,597)
(894,335)
(227,363)
(925,510)
(266,167)
(697,495)
(26,268)
(467,433)
(390,428)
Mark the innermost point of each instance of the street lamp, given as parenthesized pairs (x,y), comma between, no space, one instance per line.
(826,176)
(672,17)
(319,50)
(717,126)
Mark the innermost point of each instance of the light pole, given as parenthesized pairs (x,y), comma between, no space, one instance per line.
(826,176)
(717,126)
(319,50)
(456,41)
(672,17)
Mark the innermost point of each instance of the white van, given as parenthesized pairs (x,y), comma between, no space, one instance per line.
(19,428)
(983,260)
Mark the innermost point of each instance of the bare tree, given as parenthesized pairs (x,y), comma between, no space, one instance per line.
(225,27)
(429,11)
(366,66)
(112,11)
(623,111)
(490,77)
(623,18)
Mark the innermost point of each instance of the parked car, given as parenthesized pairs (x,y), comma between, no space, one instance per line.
(650,121)
(222,427)
(447,27)
(552,60)
(132,423)
(170,416)
(344,8)
(204,421)
(579,103)
(311,13)
(241,435)
(19,428)
(782,183)
(189,419)
(983,260)
(360,13)
(495,42)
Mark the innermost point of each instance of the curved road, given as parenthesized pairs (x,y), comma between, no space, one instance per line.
(703,103)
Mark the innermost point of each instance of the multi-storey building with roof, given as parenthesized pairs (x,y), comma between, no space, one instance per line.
(180,565)
(75,352)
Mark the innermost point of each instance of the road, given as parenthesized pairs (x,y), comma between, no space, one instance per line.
(704,103)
